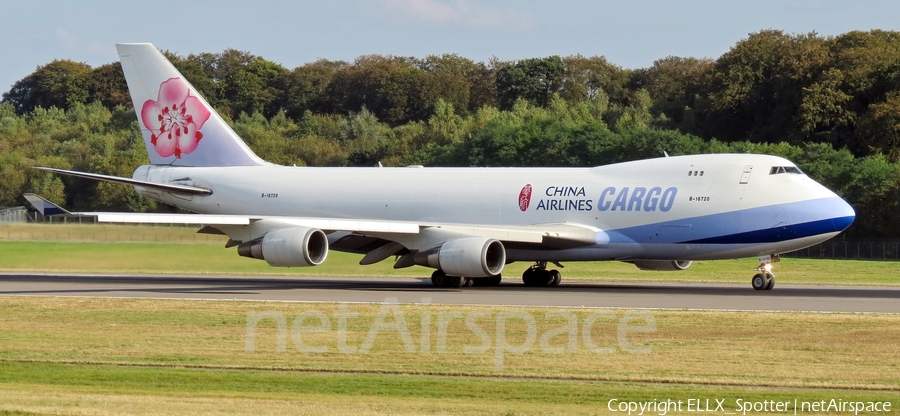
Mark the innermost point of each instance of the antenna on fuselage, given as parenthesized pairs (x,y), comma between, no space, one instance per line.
(665,153)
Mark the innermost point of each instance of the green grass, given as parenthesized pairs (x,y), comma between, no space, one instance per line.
(163,390)
(212,258)
(697,347)
(140,249)
(146,356)
(140,356)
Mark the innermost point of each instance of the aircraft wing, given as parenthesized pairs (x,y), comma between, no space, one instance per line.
(168,187)
(561,234)
(411,235)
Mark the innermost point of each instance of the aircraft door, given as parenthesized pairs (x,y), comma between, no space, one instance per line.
(745,176)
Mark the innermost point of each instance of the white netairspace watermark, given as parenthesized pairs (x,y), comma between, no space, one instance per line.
(741,406)
(514,331)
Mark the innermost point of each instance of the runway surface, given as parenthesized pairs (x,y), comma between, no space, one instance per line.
(568,294)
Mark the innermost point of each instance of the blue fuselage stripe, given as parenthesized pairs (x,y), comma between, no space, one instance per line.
(755,225)
(776,234)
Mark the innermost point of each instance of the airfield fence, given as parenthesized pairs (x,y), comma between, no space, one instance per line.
(851,250)
(13,215)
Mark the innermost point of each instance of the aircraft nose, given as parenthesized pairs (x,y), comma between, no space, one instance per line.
(823,211)
(843,216)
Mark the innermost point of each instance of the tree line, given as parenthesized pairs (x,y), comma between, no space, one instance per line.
(831,104)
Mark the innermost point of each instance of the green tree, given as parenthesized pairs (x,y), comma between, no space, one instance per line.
(465,84)
(395,89)
(874,191)
(106,84)
(60,84)
(637,115)
(879,127)
(13,167)
(535,80)
(365,139)
(256,88)
(676,84)
(825,107)
(590,79)
(757,86)
(306,85)
(865,61)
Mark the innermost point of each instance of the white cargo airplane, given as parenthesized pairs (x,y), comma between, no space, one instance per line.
(467,223)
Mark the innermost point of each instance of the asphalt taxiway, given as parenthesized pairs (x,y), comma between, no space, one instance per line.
(513,293)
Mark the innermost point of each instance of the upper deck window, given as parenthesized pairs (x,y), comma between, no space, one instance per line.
(785,169)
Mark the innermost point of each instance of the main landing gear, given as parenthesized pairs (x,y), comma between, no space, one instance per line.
(765,280)
(440,279)
(538,275)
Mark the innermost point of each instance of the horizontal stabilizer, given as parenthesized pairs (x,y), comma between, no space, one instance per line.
(44,206)
(168,187)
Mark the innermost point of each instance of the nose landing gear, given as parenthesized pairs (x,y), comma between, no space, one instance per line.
(765,280)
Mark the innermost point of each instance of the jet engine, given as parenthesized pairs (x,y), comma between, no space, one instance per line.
(468,257)
(289,247)
(662,265)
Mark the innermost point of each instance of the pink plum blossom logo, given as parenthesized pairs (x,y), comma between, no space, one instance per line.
(174,119)
(525,197)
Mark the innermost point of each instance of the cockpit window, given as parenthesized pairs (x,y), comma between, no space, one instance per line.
(785,169)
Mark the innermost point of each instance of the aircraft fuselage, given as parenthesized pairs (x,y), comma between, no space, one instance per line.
(676,208)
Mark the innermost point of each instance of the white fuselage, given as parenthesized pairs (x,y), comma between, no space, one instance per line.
(676,208)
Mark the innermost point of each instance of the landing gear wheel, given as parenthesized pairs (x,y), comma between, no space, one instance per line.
(488,281)
(555,277)
(438,278)
(759,281)
(538,275)
(770,281)
(455,281)
(764,279)
(469,282)
(529,277)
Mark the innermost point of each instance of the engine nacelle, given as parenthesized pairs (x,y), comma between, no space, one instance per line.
(289,247)
(468,257)
(662,265)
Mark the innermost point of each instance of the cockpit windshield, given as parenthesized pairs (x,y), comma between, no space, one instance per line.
(785,169)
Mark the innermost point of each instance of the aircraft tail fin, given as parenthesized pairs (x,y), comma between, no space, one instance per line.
(179,127)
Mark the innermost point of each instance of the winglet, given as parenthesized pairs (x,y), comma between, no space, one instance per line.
(44,206)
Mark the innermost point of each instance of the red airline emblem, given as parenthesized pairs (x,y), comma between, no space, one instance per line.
(525,197)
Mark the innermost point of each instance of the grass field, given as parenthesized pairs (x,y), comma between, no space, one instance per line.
(179,250)
(113,356)
(141,356)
